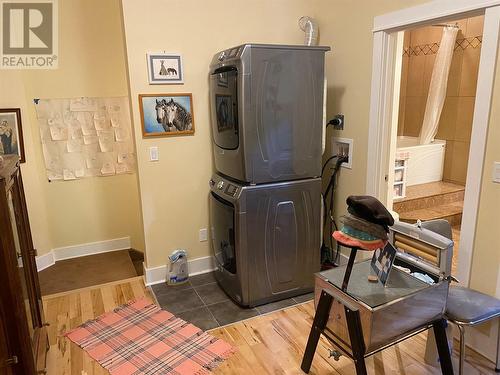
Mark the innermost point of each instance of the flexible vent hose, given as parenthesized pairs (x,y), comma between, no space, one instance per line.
(310,27)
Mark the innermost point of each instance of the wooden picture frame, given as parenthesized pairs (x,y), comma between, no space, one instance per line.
(11,133)
(164,115)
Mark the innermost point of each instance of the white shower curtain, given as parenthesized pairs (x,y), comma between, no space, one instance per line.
(439,82)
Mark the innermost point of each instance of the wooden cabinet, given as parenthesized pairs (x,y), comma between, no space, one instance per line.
(23,335)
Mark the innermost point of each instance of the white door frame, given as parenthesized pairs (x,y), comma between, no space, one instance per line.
(382,112)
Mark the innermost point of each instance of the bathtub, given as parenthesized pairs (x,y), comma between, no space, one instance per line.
(424,163)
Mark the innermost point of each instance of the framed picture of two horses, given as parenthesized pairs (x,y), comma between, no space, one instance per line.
(164,115)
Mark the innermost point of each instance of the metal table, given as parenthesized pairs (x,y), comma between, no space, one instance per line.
(361,310)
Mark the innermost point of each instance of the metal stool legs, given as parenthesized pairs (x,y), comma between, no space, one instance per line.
(461,353)
(497,365)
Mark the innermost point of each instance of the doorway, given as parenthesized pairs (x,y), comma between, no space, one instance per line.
(438,81)
(384,108)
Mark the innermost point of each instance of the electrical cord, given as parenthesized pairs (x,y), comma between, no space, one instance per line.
(328,213)
(326,163)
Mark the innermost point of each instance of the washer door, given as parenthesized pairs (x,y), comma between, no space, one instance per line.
(223,243)
(224,107)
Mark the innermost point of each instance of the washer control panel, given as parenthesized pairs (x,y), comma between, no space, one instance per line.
(221,186)
(231,190)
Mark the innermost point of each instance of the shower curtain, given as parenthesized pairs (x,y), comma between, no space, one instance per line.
(437,89)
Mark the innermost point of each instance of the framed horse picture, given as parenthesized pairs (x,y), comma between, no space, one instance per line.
(165,68)
(11,133)
(164,115)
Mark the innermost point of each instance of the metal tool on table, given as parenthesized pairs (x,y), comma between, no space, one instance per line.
(361,318)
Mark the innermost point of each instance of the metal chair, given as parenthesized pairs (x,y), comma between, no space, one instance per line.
(466,307)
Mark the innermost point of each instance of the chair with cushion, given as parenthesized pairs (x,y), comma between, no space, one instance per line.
(466,307)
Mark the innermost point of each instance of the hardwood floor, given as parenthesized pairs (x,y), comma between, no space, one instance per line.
(269,344)
(91,270)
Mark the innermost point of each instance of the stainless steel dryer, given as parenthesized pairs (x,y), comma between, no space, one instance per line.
(267,112)
(265,238)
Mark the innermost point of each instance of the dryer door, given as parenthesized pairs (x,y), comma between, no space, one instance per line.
(223,243)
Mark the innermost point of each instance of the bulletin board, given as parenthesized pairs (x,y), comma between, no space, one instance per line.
(85,137)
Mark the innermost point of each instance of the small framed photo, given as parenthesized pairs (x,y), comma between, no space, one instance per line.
(166,114)
(382,262)
(11,133)
(165,68)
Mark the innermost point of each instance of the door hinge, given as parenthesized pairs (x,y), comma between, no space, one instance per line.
(12,361)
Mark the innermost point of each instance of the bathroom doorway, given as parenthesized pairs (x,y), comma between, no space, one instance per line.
(438,82)
(388,44)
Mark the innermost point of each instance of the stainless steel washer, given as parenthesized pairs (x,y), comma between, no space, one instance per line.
(265,238)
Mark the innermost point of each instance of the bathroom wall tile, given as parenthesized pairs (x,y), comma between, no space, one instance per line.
(448,158)
(454,76)
(462,27)
(418,36)
(475,26)
(428,68)
(404,76)
(470,68)
(460,161)
(434,34)
(425,35)
(465,114)
(414,115)
(406,38)
(448,119)
(415,83)
(401,116)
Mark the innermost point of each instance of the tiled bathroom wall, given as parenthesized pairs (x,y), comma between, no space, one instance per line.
(420,46)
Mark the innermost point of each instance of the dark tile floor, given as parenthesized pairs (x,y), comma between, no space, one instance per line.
(202,302)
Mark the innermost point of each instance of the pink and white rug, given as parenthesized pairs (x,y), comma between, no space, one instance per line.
(140,338)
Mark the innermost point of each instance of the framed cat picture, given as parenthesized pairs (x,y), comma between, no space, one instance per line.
(165,68)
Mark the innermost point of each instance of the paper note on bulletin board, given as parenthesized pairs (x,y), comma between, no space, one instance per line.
(85,137)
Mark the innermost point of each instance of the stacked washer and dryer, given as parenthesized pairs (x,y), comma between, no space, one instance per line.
(265,202)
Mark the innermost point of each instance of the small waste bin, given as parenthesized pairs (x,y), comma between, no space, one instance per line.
(178,268)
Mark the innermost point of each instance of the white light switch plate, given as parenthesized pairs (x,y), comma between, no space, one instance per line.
(496,172)
(154,155)
(203,236)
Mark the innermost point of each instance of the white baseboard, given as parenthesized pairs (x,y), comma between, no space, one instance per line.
(197,266)
(45,261)
(91,248)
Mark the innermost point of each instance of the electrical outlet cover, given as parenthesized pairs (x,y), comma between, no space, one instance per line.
(203,235)
(338,143)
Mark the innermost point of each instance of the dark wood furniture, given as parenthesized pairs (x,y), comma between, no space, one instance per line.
(23,335)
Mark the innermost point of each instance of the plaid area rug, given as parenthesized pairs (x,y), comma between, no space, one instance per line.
(140,338)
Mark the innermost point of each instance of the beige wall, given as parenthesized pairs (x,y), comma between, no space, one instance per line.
(91,63)
(455,124)
(175,189)
(348,30)
(485,273)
